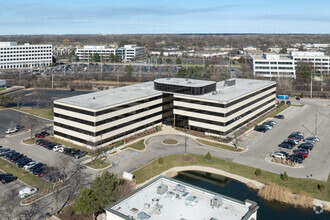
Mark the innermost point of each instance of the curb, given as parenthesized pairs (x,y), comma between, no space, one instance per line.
(218,148)
(268,159)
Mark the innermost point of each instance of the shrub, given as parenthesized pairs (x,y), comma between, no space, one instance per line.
(257,172)
(321,187)
(284,176)
(160,160)
(302,95)
(208,156)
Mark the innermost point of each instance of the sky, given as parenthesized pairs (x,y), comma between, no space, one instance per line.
(163,16)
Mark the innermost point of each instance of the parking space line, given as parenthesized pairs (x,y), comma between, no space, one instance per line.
(115,162)
(125,157)
(136,153)
(247,146)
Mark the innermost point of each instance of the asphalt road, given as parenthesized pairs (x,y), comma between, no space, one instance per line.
(29,97)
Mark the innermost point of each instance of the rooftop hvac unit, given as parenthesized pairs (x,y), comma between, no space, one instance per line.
(180,188)
(230,82)
(216,201)
(161,189)
(214,92)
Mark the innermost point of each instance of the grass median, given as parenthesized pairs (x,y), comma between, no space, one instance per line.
(41,112)
(218,145)
(24,175)
(98,164)
(139,145)
(295,184)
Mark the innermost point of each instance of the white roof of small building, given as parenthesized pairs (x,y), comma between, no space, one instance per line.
(194,203)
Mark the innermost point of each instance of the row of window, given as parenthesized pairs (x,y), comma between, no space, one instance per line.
(26,55)
(224,124)
(27,51)
(23,65)
(190,90)
(117,108)
(224,114)
(93,144)
(25,48)
(310,59)
(273,73)
(224,105)
(30,58)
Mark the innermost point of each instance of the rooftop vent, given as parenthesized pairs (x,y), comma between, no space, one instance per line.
(168,78)
(180,188)
(189,82)
(161,189)
(214,92)
(94,98)
(230,82)
(216,201)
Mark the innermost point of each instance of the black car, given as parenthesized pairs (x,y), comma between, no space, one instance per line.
(24,162)
(3,175)
(298,98)
(279,116)
(8,154)
(44,133)
(73,152)
(300,155)
(38,170)
(80,154)
(308,146)
(8,179)
(12,155)
(305,151)
(260,128)
(36,166)
(295,159)
(50,146)
(288,102)
(20,160)
(289,141)
(286,145)
(4,150)
(67,150)
(39,141)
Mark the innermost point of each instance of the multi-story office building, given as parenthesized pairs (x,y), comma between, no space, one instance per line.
(218,109)
(13,56)
(126,53)
(272,65)
(165,198)
(317,60)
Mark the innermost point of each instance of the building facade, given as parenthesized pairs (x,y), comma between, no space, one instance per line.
(2,83)
(165,198)
(317,60)
(126,53)
(13,56)
(101,118)
(272,65)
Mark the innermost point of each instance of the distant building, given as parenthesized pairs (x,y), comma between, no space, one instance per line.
(213,108)
(272,65)
(2,83)
(317,60)
(167,199)
(13,56)
(250,47)
(126,53)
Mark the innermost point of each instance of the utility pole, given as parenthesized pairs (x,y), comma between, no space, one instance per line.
(53,80)
(311,95)
(185,140)
(315,124)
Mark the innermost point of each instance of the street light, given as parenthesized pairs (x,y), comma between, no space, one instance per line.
(185,140)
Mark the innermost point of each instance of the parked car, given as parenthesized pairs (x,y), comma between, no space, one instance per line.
(8,179)
(278,155)
(3,175)
(4,150)
(260,128)
(286,154)
(24,162)
(295,137)
(290,141)
(36,166)
(312,140)
(299,155)
(273,122)
(286,145)
(295,159)
(45,171)
(27,191)
(267,125)
(67,150)
(29,165)
(298,98)
(39,135)
(80,154)
(305,151)
(11,130)
(279,116)
(73,152)
(298,132)
(288,102)
(308,146)
(44,133)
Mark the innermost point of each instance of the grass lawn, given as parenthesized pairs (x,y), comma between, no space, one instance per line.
(27,177)
(139,145)
(295,184)
(97,164)
(170,141)
(217,145)
(41,112)
(30,141)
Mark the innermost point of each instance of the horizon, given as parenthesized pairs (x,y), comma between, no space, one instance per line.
(36,17)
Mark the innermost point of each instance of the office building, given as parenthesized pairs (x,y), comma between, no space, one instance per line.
(13,56)
(165,198)
(317,60)
(272,65)
(101,118)
(126,53)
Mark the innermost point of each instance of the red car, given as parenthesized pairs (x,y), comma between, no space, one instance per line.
(39,135)
(45,171)
(302,153)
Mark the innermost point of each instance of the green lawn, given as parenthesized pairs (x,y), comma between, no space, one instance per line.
(217,145)
(295,184)
(41,112)
(27,177)
(139,145)
(170,141)
(98,164)
(30,141)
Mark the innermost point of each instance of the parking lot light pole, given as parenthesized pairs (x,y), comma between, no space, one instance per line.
(185,140)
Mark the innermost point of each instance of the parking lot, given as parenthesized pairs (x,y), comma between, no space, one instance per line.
(29,97)
(301,119)
(9,117)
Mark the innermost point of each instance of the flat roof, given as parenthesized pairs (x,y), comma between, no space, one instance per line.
(184,82)
(106,98)
(260,57)
(183,202)
(102,99)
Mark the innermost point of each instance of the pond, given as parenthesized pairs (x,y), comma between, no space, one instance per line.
(237,190)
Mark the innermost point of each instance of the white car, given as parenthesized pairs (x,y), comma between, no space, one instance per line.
(268,126)
(27,191)
(273,122)
(59,148)
(277,155)
(312,140)
(29,165)
(11,130)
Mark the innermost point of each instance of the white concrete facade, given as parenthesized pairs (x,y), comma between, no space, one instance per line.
(13,56)
(127,53)
(317,60)
(272,65)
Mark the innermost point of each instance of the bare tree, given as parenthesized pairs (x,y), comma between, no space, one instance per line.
(7,204)
(30,122)
(125,189)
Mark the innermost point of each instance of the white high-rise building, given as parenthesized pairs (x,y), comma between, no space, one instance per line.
(13,56)
(317,60)
(126,53)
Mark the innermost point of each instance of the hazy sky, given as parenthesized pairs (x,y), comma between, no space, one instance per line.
(163,16)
